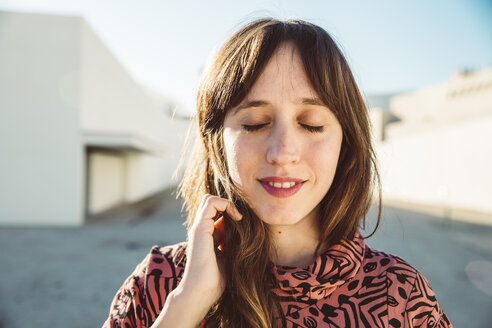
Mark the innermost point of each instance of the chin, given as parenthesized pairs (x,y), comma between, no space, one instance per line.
(279,219)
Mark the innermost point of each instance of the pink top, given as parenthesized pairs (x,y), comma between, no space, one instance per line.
(350,285)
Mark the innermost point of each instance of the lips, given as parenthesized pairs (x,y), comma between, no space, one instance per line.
(281,186)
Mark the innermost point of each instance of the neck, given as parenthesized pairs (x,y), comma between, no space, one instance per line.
(296,244)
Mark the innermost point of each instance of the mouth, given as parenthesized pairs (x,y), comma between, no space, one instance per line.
(281,187)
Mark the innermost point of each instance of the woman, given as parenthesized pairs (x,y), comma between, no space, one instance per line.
(279,182)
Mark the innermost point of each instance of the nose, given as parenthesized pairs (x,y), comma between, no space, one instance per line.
(283,146)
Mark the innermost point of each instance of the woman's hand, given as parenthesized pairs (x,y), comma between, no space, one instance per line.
(203,282)
(203,274)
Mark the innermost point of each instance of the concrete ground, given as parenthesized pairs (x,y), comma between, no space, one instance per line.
(67,277)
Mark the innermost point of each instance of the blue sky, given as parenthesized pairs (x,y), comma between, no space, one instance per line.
(392,46)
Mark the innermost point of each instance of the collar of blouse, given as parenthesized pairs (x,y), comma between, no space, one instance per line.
(337,265)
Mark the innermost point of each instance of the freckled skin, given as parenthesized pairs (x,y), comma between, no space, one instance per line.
(284,146)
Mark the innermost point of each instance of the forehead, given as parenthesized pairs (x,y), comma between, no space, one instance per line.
(283,74)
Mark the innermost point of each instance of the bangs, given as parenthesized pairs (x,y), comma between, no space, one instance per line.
(240,62)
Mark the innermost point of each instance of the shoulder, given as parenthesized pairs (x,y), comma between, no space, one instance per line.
(162,256)
(384,271)
(165,261)
(389,264)
(408,291)
(398,275)
(161,261)
(143,293)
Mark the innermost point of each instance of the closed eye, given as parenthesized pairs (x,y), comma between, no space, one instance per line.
(256,127)
(312,128)
(253,127)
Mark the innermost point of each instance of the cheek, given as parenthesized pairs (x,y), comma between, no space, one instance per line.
(241,156)
(324,158)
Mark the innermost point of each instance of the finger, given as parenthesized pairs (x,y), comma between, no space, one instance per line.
(213,204)
(233,212)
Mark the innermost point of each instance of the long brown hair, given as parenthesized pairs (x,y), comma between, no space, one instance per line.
(248,300)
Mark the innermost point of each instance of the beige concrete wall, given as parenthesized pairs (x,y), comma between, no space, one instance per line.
(106,181)
(438,156)
(446,166)
(420,105)
(148,174)
(61,89)
(41,158)
(112,102)
(462,97)
(376,116)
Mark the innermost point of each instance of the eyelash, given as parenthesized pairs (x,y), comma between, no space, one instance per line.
(311,128)
(256,127)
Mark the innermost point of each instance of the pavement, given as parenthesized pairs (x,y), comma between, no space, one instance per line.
(67,277)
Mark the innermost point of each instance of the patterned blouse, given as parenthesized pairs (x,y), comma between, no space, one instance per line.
(350,285)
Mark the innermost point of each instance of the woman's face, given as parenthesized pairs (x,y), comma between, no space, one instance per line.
(282,144)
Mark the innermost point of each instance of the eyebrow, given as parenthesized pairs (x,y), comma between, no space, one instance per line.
(251,103)
(261,103)
(311,101)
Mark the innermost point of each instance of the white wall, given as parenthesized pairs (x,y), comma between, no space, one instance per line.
(448,165)
(41,158)
(462,97)
(376,116)
(114,103)
(59,84)
(111,100)
(148,174)
(106,181)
